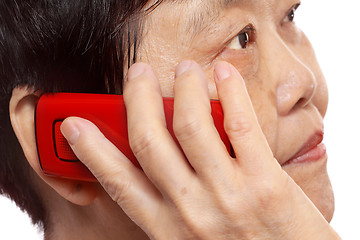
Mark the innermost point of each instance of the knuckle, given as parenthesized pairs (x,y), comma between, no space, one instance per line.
(143,141)
(186,127)
(197,226)
(229,203)
(238,125)
(270,194)
(117,190)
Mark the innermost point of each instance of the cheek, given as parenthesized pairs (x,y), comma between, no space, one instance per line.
(321,97)
(263,98)
(261,90)
(247,61)
(164,68)
(166,81)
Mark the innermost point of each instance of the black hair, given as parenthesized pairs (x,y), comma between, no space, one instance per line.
(53,46)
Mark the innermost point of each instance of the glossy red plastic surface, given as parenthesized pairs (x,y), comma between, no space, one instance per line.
(107,112)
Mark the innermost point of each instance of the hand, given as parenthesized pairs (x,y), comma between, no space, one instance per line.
(198,191)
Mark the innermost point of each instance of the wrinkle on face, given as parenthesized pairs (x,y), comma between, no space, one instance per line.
(271,67)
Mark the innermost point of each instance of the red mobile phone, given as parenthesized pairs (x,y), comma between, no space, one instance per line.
(107,112)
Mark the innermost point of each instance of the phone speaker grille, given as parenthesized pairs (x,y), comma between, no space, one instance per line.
(62,148)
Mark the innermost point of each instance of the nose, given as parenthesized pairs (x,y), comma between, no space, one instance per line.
(296,84)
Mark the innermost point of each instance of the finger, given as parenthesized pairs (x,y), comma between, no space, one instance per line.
(240,122)
(159,156)
(125,184)
(193,124)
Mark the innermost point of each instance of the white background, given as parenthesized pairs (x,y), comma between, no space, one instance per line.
(333,27)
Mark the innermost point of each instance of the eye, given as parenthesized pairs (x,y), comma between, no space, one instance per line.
(242,40)
(291,15)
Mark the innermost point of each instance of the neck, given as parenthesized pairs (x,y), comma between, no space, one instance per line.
(103,219)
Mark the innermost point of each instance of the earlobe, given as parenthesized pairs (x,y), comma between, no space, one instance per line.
(22,108)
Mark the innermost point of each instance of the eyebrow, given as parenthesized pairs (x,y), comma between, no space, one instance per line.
(222,4)
(226,3)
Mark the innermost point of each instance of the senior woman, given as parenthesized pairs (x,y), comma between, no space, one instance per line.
(248,54)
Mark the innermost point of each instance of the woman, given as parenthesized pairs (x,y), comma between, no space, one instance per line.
(198,190)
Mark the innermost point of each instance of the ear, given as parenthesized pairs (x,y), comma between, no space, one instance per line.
(22,108)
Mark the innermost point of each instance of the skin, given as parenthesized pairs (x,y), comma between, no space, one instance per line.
(282,76)
(274,98)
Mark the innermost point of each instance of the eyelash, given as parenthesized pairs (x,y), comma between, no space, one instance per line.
(291,15)
(247,35)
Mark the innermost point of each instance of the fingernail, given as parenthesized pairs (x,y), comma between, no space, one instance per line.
(222,71)
(70,131)
(136,70)
(183,67)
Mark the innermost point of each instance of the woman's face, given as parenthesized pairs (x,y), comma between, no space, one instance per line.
(276,60)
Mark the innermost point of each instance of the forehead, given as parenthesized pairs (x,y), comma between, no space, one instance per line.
(198,15)
(195,23)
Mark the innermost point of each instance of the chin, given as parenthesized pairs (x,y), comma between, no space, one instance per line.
(314,180)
